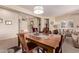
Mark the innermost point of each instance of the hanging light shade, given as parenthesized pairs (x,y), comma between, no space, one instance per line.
(38,10)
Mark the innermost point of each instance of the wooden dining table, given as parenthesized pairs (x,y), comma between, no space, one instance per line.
(48,42)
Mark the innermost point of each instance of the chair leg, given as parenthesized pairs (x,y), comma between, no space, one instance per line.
(38,50)
(58,50)
(61,51)
(23,50)
(44,50)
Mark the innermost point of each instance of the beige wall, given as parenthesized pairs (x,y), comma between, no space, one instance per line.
(24,25)
(51,23)
(74,18)
(10,31)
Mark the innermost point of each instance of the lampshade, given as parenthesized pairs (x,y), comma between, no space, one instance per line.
(38,10)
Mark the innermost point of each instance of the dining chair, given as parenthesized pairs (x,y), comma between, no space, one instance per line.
(27,47)
(55,31)
(59,48)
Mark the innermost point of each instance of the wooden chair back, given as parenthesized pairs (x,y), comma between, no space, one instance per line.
(23,43)
(59,49)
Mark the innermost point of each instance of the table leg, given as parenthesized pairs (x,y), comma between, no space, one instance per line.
(18,42)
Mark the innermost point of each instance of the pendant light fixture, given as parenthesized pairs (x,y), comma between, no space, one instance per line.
(38,10)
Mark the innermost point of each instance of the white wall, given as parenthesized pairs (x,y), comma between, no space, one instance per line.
(8,31)
(51,23)
(25,25)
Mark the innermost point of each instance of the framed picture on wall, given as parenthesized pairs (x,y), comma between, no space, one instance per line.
(8,22)
(63,24)
(52,22)
(70,24)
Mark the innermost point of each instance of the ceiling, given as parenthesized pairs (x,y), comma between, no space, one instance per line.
(54,10)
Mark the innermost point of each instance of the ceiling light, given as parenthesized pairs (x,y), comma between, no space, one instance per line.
(38,10)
